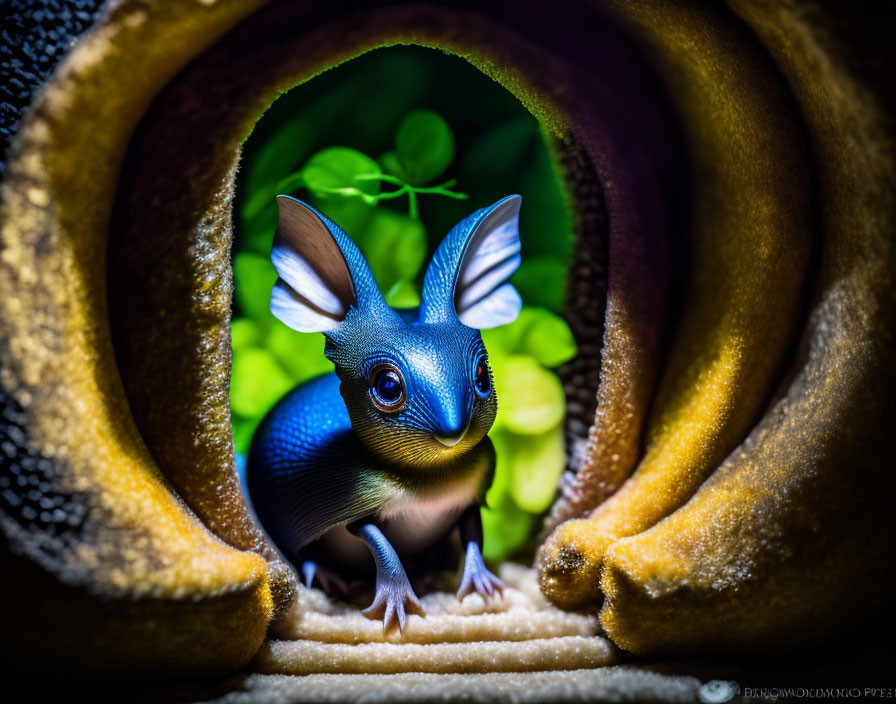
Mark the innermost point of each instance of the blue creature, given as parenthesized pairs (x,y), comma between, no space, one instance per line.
(402,458)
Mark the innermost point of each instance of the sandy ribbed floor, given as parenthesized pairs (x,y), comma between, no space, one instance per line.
(610,684)
(519,648)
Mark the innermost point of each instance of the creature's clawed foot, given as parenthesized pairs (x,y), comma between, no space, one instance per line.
(476,576)
(394,599)
(330,582)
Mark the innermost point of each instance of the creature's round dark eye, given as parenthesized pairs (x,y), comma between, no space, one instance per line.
(481,380)
(387,388)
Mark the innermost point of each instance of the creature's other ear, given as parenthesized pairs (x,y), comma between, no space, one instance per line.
(468,274)
(322,273)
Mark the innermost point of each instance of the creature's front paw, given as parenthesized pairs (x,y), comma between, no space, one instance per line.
(476,576)
(394,599)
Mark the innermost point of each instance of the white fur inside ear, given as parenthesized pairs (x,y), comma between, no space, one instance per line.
(496,245)
(297,272)
(298,312)
(489,281)
(492,257)
(499,308)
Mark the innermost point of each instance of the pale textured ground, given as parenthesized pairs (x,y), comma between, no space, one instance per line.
(515,649)
(611,684)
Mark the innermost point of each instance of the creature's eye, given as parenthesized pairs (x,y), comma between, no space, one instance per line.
(481,380)
(387,388)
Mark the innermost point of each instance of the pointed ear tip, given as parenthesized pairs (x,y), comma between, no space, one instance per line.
(287,202)
(510,205)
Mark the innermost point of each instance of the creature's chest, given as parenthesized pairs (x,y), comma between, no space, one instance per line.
(411,521)
(414,521)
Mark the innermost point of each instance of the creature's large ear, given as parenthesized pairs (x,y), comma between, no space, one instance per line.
(322,273)
(468,274)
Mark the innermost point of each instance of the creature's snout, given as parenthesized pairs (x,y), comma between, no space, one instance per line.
(450,439)
(451,423)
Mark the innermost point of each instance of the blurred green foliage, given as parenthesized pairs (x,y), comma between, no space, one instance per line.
(426,115)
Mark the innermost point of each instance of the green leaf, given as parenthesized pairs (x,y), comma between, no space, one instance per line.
(403,295)
(243,333)
(254,277)
(394,245)
(499,492)
(257,382)
(301,354)
(530,398)
(537,461)
(541,281)
(243,430)
(504,339)
(546,337)
(506,530)
(390,165)
(334,170)
(351,214)
(424,145)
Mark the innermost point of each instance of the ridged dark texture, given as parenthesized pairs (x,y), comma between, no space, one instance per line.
(586,296)
(35,35)
(29,491)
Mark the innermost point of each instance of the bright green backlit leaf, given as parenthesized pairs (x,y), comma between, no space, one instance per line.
(351,214)
(541,281)
(257,382)
(424,144)
(537,332)
(394,245)
(499,492)
(530,397)
(506,530)
(301,354)
(503,340)
(537,462)
(254,277)
(243,333)
(243,430)
(403,295)
(546,337)
(334,170)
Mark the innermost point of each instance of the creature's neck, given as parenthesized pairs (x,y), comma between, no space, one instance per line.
(436,474)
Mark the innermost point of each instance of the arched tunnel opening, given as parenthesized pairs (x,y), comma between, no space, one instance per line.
(347,121)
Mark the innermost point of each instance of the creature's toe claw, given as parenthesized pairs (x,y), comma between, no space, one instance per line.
(477,577)
(393,602)
(376,610)
(414,606)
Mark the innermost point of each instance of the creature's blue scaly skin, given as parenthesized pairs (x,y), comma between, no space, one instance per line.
(381,459)
(305,454)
